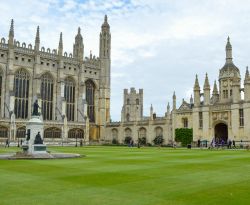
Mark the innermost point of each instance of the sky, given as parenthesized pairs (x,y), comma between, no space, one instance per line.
(157,45)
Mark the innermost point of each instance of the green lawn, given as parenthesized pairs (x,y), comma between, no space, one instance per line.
(128,176)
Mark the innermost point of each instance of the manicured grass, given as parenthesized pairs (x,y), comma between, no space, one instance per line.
(128,176)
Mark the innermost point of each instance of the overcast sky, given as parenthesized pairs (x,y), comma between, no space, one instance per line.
(157,45)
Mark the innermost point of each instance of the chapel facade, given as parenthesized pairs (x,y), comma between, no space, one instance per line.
(73,92)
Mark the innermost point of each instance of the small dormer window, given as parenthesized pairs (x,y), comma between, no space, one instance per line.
(185,122)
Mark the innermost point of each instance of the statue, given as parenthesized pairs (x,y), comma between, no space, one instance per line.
(38,139)
(35,108)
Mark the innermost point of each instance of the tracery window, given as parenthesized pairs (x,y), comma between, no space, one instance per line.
(90,98)
(200,120)
(185,122)
(69,94)
(21,89)
(47,96)
(52,132)
(3,132)
(241,115)
(20,132)
(76,133)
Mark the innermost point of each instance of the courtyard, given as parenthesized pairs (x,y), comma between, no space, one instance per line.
(122,175)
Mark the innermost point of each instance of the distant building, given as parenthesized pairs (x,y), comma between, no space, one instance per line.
(73,92)
(220,114)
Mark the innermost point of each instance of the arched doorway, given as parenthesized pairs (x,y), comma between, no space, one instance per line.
(221,132)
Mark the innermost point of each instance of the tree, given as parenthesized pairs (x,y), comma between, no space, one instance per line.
(184,135)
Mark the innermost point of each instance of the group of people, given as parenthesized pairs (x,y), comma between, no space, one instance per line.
(216,143)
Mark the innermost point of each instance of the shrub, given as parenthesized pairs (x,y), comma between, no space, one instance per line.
(184,135)
(127,140)
(158,140)
(115,141)
(142,141)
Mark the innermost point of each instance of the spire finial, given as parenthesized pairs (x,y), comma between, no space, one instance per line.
(79,30)
(106,18)
(11,33)
(196,84)
(247,73)
(37,35)
(206,83)
(229,58)
(60,46)
(215,90)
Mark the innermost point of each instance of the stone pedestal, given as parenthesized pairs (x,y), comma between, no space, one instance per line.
(35,125)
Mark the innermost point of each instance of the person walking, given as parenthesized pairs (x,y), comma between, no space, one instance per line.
(234,144)
(7,144)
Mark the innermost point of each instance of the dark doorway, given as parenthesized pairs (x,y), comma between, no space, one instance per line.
(221,132)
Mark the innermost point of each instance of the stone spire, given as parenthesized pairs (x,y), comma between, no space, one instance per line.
(11,34)
(78,47)
(37,40)
(196,84)
(60,46)
(215,89)
(105,25)
(206,83)
(247,73)
(196,92)
(229,58)
(151,112)
(168,109)
(191,100)
(174,101)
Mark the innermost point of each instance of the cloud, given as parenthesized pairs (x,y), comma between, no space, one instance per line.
(156,45)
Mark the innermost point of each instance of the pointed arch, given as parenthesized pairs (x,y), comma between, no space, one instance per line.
(3,132)
(46,90)
(76,133)
(90,98)
(69,94)
(52,132)
(20,132)
(21,90)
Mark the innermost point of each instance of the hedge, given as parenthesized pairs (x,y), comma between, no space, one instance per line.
(184,135)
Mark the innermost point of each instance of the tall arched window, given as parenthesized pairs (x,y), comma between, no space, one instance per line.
(69,94)
(90,98)
(3,132)
(52,132)
(1,80)
(20,132)
(47,96)
(21,88)
(76,133)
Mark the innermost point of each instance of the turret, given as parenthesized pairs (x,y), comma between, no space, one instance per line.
(196,92)
(206,89)
(174,101)
(105,39)
(236,90)
(247,86)
(78,47)
(37,40)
